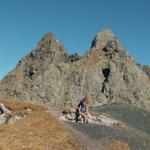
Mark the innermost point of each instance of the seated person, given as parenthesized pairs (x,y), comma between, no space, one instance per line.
(82,109)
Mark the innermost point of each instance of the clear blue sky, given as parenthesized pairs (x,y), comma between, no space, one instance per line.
(74,23)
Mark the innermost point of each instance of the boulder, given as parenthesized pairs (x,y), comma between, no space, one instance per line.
(5,114)
(3,118)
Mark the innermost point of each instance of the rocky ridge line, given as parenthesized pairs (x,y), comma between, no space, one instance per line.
(106,72)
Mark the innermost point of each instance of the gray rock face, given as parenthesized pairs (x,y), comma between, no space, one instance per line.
(107,73)
(103,38)
(73,58)
(146,68)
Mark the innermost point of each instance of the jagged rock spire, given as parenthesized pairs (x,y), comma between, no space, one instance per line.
(101,39)
(48,49)
(48,38)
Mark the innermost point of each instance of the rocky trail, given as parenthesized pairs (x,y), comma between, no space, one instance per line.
(86,143)
(128,134)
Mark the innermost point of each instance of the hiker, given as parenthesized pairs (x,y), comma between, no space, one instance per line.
(82,109)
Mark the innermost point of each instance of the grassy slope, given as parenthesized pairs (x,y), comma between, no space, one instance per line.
(137,118)
(38,131)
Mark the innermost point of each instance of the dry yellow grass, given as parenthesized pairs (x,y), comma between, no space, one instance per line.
(119,145)
(38,131)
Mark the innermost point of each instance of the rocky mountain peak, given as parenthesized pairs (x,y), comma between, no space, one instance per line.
(48,38)
(49,50)
(102,37)
(106,73)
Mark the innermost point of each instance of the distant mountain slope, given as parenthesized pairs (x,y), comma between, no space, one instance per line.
(106,72)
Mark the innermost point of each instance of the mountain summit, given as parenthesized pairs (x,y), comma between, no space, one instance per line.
(107,73)
(102,38)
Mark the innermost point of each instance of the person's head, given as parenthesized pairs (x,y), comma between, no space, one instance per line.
(87,99)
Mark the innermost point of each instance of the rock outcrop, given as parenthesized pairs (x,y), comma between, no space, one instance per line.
(146,68)
(107,73)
